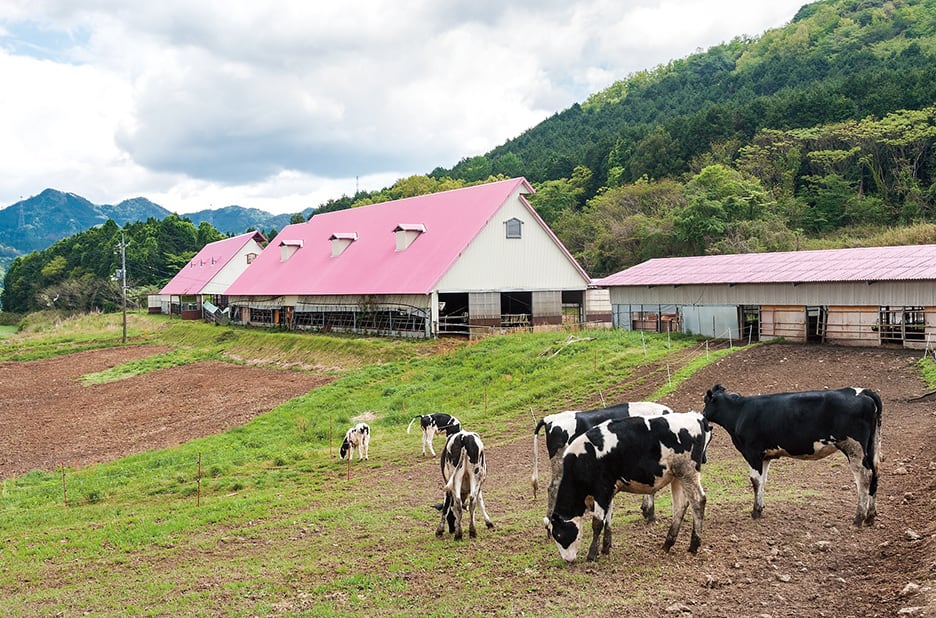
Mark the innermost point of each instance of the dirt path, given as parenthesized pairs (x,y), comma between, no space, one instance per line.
(803,558)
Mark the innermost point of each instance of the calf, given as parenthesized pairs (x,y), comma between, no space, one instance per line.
(433,424)
(356,437)
(563,427)
(804,425)
(634,455)
(463,472)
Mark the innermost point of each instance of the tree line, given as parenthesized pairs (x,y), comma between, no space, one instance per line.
(80,273)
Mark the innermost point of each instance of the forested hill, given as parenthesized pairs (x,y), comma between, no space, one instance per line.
(758,144)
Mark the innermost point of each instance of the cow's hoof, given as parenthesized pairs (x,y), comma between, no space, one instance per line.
(439,533)
(489,525)
(756,514)
(457,537)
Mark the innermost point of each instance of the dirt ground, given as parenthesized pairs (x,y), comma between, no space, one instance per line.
(49,419)
(799,559)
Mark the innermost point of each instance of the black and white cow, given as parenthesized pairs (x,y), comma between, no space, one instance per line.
(563,427)
(357,437)
(431,425)
(804,425)
(634,455)
(463,472)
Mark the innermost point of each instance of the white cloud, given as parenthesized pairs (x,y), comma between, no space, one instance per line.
(284,104)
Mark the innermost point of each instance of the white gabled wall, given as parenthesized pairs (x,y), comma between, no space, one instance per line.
(232,270)
(494,262)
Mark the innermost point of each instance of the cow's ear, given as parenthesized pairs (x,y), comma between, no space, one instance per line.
(708,396)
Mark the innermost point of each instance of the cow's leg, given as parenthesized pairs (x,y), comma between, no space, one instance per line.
(680,504)
(696,494)
(367,446)
(606,539)
(457,503)
(430,434)
(597,527)
(647,508)
(556,464)
(855,454)
(472,503)
(758,482)
(446,505)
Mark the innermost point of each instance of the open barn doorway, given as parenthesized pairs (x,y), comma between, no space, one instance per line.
(453,314)
(516,309)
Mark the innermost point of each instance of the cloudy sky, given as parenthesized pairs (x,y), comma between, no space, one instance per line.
(283,104)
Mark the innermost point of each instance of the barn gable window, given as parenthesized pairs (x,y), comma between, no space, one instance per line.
(341,241)
(514,228)
(288,248)
(406,233)
(251,257)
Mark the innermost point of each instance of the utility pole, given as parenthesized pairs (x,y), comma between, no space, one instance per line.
(123,284)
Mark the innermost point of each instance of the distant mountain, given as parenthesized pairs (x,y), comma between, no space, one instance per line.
(237,219)
(36,223)
(134,209)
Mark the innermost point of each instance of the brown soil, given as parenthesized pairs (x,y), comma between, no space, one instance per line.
(803,558)
(50,419)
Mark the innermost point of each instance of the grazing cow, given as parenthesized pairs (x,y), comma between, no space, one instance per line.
(804,425)
(433,424)
(463,472)
(563,427)
(357,437)
(633,455)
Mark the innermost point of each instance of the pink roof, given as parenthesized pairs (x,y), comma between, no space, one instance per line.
(914,262)
(370,263)
(207,263)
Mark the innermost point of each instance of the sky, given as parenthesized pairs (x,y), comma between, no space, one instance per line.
(282,105)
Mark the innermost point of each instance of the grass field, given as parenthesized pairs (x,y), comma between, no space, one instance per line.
(275,527)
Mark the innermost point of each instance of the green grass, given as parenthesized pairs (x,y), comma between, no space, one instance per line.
(273,526)
(928,370)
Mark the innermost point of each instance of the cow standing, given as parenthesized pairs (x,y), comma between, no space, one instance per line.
(563,427)
(357,437)
(463,472)
(634,455)
(431,425)
(804,425)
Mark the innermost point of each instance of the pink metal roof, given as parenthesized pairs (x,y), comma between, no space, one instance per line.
(370,264)
(914,262)
(207,263)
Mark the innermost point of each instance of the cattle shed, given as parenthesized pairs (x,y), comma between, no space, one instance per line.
(861,297)
(469,261)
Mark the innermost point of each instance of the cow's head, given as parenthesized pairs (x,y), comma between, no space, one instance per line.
(345,448)
(567,533)
(711,400)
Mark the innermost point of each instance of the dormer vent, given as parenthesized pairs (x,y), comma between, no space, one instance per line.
(406,233)
(341,241)
(288,247)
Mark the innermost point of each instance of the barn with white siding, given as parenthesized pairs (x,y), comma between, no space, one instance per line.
(468,261)
(864,297)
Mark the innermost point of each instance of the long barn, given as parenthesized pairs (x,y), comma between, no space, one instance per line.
(469,261)
(862,297)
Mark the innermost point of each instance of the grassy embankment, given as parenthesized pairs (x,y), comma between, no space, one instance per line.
(279,527)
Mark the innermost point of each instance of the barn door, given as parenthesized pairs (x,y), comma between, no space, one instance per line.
(817,320)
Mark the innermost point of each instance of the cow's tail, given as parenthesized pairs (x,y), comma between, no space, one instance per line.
(535,478)
(874,455)
(408,427)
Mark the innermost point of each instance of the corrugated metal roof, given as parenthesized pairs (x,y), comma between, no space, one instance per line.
(207,263)
(371,263)
(905,263)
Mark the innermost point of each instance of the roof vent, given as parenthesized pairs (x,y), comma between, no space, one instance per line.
(288,247)
(406,233)
(341,241)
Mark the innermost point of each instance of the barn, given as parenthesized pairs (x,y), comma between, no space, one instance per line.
(201,285)
(862,297)
(470,261)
